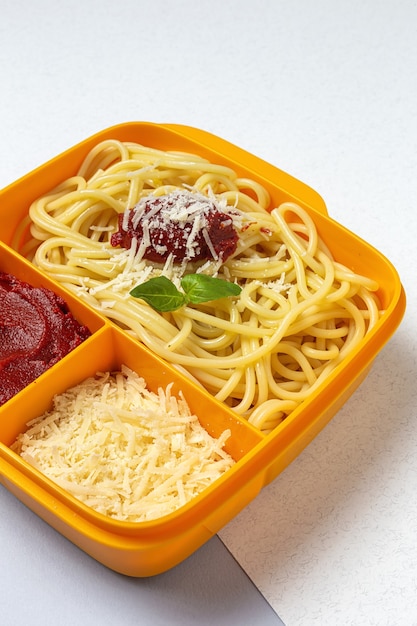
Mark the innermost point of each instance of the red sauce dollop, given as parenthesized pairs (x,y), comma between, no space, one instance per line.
(37,329)
(188,226)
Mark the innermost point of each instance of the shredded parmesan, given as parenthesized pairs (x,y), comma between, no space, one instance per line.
(129,453)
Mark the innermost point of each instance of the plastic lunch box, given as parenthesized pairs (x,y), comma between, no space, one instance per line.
(149,548)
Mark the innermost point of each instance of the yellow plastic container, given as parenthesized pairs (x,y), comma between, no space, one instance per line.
(148,548)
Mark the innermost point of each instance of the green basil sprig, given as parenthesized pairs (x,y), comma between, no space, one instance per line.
(163,296)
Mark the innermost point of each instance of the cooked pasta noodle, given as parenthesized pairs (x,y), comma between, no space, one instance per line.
(263,352)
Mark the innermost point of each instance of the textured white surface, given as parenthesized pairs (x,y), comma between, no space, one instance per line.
(327,91)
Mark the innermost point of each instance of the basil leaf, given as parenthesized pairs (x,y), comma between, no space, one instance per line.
(160,293)
(203,288)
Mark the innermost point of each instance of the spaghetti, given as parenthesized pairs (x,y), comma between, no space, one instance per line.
(299,312)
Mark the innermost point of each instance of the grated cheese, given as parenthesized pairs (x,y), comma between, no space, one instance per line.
(128,453)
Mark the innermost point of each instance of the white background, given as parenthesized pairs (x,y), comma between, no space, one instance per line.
(327,91)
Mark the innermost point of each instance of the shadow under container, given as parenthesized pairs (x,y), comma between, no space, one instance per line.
(149,548)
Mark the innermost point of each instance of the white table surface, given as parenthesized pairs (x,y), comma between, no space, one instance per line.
(327,91)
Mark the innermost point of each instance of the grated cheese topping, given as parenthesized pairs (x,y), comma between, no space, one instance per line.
(127,452)
(189,225)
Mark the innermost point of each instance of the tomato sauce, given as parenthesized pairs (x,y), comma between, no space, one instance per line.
(185,225)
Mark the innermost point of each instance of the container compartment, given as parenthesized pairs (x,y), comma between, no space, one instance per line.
(131,548)
(14,265)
